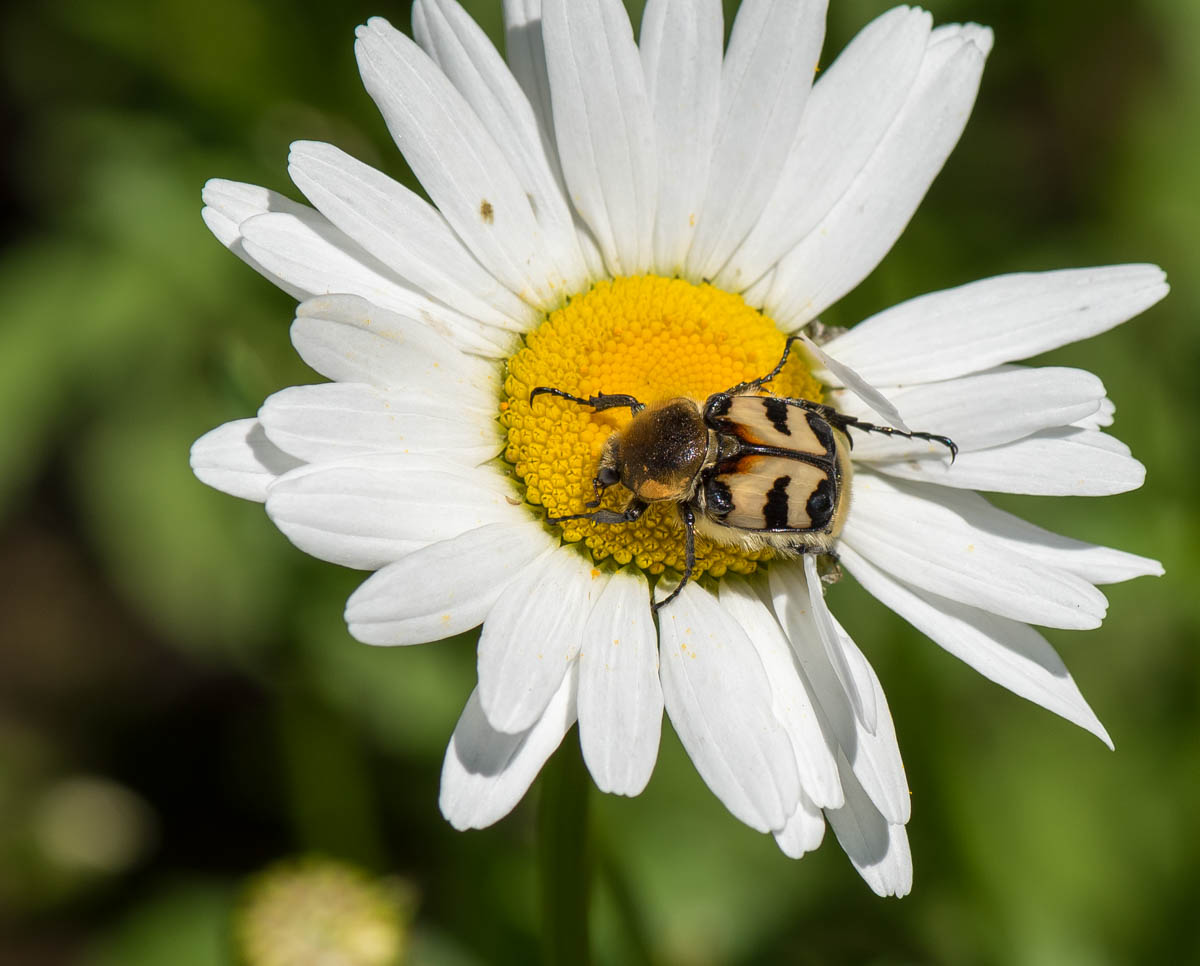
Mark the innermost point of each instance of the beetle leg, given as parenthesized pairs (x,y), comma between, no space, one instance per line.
(743,387)
(605,477)
(843,422)
(829,566)
(689,523)
(632,512)
(605,400)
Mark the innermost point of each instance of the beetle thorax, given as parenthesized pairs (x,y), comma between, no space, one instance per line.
(661,452)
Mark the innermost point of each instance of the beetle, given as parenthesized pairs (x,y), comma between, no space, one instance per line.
(744,469)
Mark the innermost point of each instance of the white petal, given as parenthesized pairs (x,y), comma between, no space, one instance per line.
(877,849)
(315,258)
(846,661)
(368,511)
(459,164)
(304,249)
(980,411)
(445,588)
(532,636)
(797,591)
(347,339)
(1101,418)
(851,107)
(790,703)
(465,54)
(774,49)
(228,204)
(875,757)
(681,56)
(804,830)
(1096,565)
(603,126)
(1012,654)
(976,326)
(1052,462)
(404,232)
(340,419)
(906,531)
(620,697)
(865,222)
(526,56)
(486,772)
(842,375)
(719,700)
(976,34)
(238,459)
(236,201)
(756,294)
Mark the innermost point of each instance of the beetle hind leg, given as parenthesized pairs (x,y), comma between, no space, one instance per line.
(829,567)
(689,523)
(842,422)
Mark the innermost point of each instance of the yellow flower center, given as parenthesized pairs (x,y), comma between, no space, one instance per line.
(652,338)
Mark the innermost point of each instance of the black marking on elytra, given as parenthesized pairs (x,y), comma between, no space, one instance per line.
(822,430)
(820,504)
(718,498)
(777,412)
(775,510)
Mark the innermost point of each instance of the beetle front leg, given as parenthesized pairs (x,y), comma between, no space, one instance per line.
(631,513)
(603,479)
(601,402)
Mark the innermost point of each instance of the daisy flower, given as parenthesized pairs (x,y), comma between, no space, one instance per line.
(653,217)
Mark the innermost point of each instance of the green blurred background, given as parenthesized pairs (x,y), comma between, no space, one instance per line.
(180,703)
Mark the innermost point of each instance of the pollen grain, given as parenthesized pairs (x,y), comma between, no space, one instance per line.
(653,338)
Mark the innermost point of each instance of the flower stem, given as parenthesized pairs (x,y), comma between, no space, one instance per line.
(564,859)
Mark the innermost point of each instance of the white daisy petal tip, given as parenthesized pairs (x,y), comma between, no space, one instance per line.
(238,458)
(719,700)
(1008,652)
(804,831)
(620,695)
(876,847)
(981,37)
(532,637)
(486,772)
(460,580)
(374,26)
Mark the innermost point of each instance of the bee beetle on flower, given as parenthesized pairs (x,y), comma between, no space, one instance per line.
(754,471)
(617,219)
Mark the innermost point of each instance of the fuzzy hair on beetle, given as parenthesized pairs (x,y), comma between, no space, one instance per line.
(745,469)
